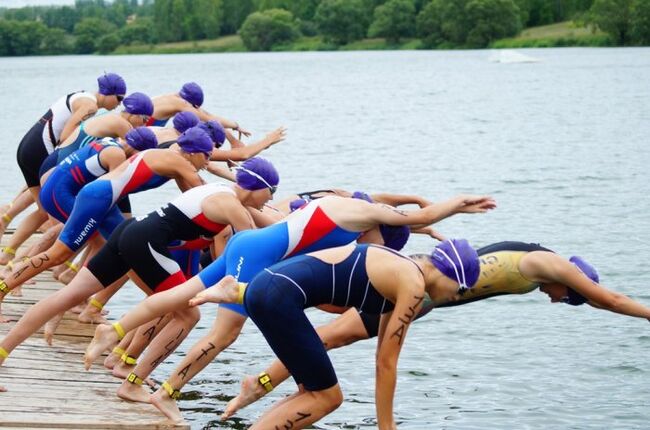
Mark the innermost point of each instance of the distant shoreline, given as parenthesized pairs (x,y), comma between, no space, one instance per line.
(563,34)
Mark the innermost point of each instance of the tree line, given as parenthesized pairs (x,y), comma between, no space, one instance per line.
(101,26)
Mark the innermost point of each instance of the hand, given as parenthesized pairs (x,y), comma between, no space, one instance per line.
(432,233)
(242,131)
(470,204)
(276,136)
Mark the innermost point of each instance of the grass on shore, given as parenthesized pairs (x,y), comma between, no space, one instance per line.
(554,35)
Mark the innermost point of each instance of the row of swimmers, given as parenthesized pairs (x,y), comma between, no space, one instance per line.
(331,249)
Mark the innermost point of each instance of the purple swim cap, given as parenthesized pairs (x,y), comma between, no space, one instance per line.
(216,132)
(457,260)
(294,205)
(141,138)
(575,298)
(192,93)
(362,196)
(111,84)
(184,120)
(138,104)
(257,173)
(395,237)
(195,140)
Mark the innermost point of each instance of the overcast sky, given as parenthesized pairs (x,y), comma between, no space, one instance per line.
(20,3)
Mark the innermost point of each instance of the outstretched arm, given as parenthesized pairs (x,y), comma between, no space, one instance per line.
(400,199)
(550,267)
(248,151)
(384,214)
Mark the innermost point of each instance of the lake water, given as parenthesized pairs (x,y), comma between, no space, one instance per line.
(562,144)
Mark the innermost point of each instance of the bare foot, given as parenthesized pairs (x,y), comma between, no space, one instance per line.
(57,270)
(50,328)
(17,292)
(133,392)
(105,338)
(4,319)
(5,258)
(92,315)
(121,369)
(166,405)
(2,360)
(250,392)
(224,291)
(2,389)
(111,361)
(66,277)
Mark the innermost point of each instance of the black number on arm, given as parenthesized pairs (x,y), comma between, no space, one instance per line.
(406,319)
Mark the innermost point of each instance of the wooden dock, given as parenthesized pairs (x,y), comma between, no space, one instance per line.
(47,386)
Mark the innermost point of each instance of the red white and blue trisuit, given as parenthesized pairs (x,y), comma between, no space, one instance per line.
(95,207)
(71,175)
(249,252)
(159,247)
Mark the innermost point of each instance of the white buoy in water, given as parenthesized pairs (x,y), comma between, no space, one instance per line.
(510,56)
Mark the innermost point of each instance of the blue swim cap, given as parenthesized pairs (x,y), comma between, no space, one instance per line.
(457,260)
(192,93)
(195,140)
(257,173)
(111,84)
(575,298)
(138,104)
(184,120)
(362,196)
(141,138)
(395,236)
(216,132)
(294,205)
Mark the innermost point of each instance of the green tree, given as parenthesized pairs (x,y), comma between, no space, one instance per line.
(139,31)
(393,20)
(108,43)
(21,37)
(613,17)
(302,9)
(490,20)
(177,15)
(56,42)
(88,32)
(234,14)
(341,21)
(443,22)
(261,30)
(640,22)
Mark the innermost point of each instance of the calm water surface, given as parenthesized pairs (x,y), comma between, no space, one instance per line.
(561,144)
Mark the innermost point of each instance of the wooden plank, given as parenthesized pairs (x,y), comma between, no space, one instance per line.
(48,386)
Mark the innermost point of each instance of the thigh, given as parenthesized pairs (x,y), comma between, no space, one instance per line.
(91,206)
(276,308)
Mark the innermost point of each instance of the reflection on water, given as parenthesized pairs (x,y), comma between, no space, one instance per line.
(561,144)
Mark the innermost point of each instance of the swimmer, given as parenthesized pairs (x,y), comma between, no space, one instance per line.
(60,120)
(95,206)
(371,278)
(324,223)
(506,268)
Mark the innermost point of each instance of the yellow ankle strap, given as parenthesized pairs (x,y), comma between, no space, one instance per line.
(3,353)
(265,381)
(9,250)
(242,291)
(134,379)
(119,351)
(96,303)
(72,266)
(6,218)
(129,359)
(4,289)
(120,330)
(174,394)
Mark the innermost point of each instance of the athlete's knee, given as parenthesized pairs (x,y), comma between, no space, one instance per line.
(190,316)
(330,398)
